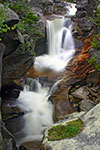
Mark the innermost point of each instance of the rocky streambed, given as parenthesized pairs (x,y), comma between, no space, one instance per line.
(78,94)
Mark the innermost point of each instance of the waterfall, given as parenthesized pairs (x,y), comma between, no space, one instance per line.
(60,46)
(34,101)
(53,28)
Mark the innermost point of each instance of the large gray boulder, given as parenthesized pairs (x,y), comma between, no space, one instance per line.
(88,139)
(11,17)
(12,38)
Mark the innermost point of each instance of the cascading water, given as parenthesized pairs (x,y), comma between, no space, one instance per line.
(60,46)
(33,100)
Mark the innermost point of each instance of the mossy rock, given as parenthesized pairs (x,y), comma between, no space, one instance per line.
(68,130)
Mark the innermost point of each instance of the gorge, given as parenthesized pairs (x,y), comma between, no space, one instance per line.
(59,85)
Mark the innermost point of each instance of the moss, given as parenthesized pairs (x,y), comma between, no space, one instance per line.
(71,129)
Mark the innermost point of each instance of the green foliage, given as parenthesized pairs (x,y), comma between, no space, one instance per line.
(96,18)
(17,6)
(28,20)
(93,60)
(96,41)
(69,130)
(3,26)
(69,1)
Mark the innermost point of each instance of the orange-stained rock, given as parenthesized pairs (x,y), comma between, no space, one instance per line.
(80,63)
(87,44)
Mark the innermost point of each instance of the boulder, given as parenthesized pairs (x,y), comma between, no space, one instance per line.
(88,139)
(11,17)
(12,39)
(17,63)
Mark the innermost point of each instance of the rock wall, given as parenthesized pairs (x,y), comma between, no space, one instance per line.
(6,139)
(85,9)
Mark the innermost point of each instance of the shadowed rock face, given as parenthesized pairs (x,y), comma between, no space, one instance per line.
(6,139)
(16,64)
(2,48)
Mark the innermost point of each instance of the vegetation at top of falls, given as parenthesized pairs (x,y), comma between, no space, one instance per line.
(3,26)
(69,130)
(28,20)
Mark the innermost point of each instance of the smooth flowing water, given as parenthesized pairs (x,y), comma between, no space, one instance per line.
(60,46)
(34,101)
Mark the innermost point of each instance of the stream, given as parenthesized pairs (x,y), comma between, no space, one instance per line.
(37,109)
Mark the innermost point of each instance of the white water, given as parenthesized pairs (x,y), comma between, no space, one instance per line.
(60,46)
(71,9)
(39,110)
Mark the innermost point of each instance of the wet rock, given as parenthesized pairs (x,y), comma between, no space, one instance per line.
(15,126)
(41,47)
(80,63)
(34,145)
(10,109)
(89,138)
(61,102)
(86,105)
